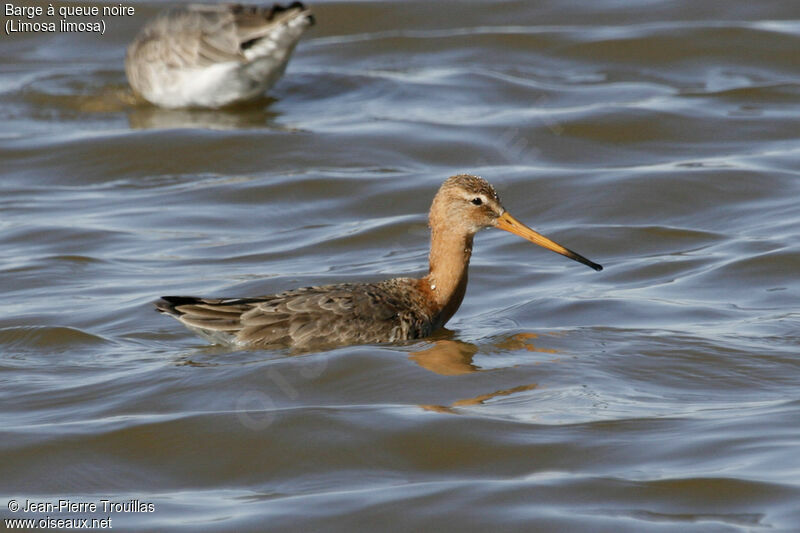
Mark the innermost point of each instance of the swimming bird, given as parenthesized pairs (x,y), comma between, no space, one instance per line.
(214,55)
(364,313)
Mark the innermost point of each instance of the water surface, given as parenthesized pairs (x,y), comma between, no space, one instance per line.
(657,138)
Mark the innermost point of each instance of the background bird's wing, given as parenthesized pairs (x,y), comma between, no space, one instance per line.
(202,35)
(252,23)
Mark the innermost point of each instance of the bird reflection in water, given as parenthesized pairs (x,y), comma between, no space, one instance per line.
(250,115)
(477,400)
(452,358)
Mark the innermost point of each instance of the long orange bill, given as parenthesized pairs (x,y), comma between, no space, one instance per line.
(511,224)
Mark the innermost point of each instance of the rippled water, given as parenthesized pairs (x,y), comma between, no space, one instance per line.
(657,138)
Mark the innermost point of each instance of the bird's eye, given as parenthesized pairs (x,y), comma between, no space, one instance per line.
(476,201)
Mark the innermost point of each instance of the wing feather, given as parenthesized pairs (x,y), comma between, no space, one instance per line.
(308,317)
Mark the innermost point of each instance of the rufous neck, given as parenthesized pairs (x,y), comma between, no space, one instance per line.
(449,261)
